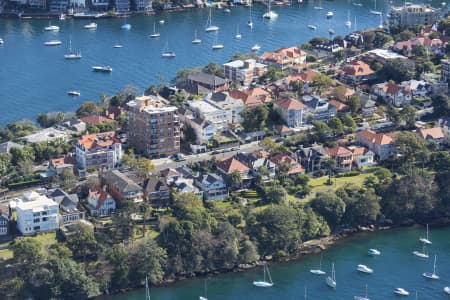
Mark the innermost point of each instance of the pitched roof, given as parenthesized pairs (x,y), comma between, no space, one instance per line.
(169,172)
(94,119)
(391,88)
(431,133)
(231,164)
(280,159)
(206,79)
(251,97)
(98,140)
(261,153)
(338,151)
(375,138)
(358,68)
(358,150)
(120,180)
(102,196)
(155,184)
(66,160)
(290,104)
(339,105)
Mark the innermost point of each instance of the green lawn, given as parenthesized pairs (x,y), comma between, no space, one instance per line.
(47,239)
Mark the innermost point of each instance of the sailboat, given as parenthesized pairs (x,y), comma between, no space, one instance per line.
(51,27)
(360,297)
(319,270)
(167,53)
(216,45)
(375,11)
(154,34)
(196,40)
(204,292)
(238,36)
(71,54)
(331,280)
(256,48)
(432,275)
(270,14)
(250,22)
(125,26)
(264,282)
(209,26)
(147,290)
(320,5)
(426,239)
(348,24)
(381,21)
(422,254)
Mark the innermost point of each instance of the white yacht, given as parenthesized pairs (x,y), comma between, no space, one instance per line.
(125,26)
(373,251)
(51,27)
(91,26)
(401,292)
(364,269)
(1,41)
(422,254)
(154,34)
(53,43)
(432,275)
(331,280)
(319,270)
(256,48)
(270,14)
(196,40)
(162,22)
(312,27)
(330,14)
(227,10)
(426,240)
(105,69)
(447,290)
(361,297)
(62,17)
(331,31)
(238,35)
(375,11)
(209,26)
(72,54)
(216,45)
(117,46)
(168,53)
(357,4)
(74,93)
(264,282)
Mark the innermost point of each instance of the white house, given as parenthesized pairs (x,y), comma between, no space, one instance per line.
(100,203)
(393,93)
(291,111)
(204,130)
(36,213)
(211,112)
(232,106)
(213,186)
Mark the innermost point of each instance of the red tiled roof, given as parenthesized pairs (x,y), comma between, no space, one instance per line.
(229,165)
(295,167)
(100,140)
(102,196)
(358,68)
(338,151)
(339,105)
(392,88)
(94,119)
(375,138)
(431,133)
(169,172)
(359,151)
(66,160)
(290,104)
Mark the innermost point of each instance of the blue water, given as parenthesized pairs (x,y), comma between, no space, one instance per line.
(396,267)
(35,78)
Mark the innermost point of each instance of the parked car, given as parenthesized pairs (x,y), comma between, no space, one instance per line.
(178,157)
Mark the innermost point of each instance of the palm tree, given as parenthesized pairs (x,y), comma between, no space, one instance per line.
(330,164)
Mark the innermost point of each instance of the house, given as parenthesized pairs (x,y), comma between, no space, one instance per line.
(100,202)
(4,220)
(214,187)
(157,191)
(7,146)
(383,145)
(202,83)
(357,71)
(342,156)
(75,125)
(68,205)
(284,57)
(312,158)
(256,161)
(244,71)
(393,93)
(318,109)
(406,47)
(340,107)
(287,165)
(99,150)
(233,107)
(122,188)
(434,134)
(186,185)
(36,213)
(417,88)
(252,97)
(56,166)
(368,106)
(210,112)
(229,165)
(93,120)
(362,157)
(291,111)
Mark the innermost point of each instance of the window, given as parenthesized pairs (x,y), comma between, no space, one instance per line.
(36,227)
(37,220)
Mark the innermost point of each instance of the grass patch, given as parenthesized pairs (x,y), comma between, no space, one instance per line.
(6,254)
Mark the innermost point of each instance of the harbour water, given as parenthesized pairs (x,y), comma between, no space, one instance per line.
(35,78)
(396,267)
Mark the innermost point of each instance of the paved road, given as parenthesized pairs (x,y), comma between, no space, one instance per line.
(164,163)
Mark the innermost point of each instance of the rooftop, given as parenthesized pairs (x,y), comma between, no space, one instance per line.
(98,140)
(150,104)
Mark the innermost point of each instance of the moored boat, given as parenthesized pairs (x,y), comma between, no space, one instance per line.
(74,93)
(106,69)
(91,26)
(51,27)
(364,269)
(53,43)
(264,282)
(331,280)
(330,14)
(373,251)
(401,292)
(312,27)
(256,48)
(447,290)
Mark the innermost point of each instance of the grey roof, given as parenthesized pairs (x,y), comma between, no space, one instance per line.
(6,147)
(206,78)
(120,180)
(210,178)
(220,96)
(65,201)
(155,184)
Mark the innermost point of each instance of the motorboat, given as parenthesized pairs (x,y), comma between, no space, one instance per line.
(162,22)
(196,40)
(331,280)
(74,93)
(401,292)
(264,282)
(117,46)
(209,26)
(447,290)
(331,31)
(373,251)
(91,26)
(330,14)
(426,240)
(62,17)
(432,275)
(53,43)
(319,270)
(312,27)
(318,7)
(227,10)
(154,34)
(125,26)
(364,269)
(256,48)
(357,4)
(106,69)
(51,27)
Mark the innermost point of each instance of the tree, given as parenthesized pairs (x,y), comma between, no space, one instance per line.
(140,165)
(441,104)
(248,252)
(336,126)
(394,70)
(409,115)
(254,117)
(67,180)
(411,147)
(28,255)
(5,163)
(273,74)
(321,131)
(361,205)
(189,135)
(322,80)
(340,93)
(354,104)
(275,194)
(25,167)
(82,244)
(235,179)
(214,69)
(86,109)
(349,123)
(330,206)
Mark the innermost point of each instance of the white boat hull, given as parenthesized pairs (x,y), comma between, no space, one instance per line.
(447,290)
(364,269)
(317,272)
(374,252)
(430,276)
(375,12)
(262,284)
(312,27)
(360,298)
(212,28)
(420,254)
(217,47)
(196,41)
(270,15)
(330,282)
(401,292)
(425,241)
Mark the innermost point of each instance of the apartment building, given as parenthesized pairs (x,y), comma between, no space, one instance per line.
(36,213)
(208,111)
(244,71)
(445,70)
(153,127)
(413,14)
(100,150)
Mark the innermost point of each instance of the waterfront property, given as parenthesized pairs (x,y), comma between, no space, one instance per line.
(100,202)
(244,72)
(122,188)
(383,145)
(413,14)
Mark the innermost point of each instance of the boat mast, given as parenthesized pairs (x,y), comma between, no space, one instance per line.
(147,289)
(434,265)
